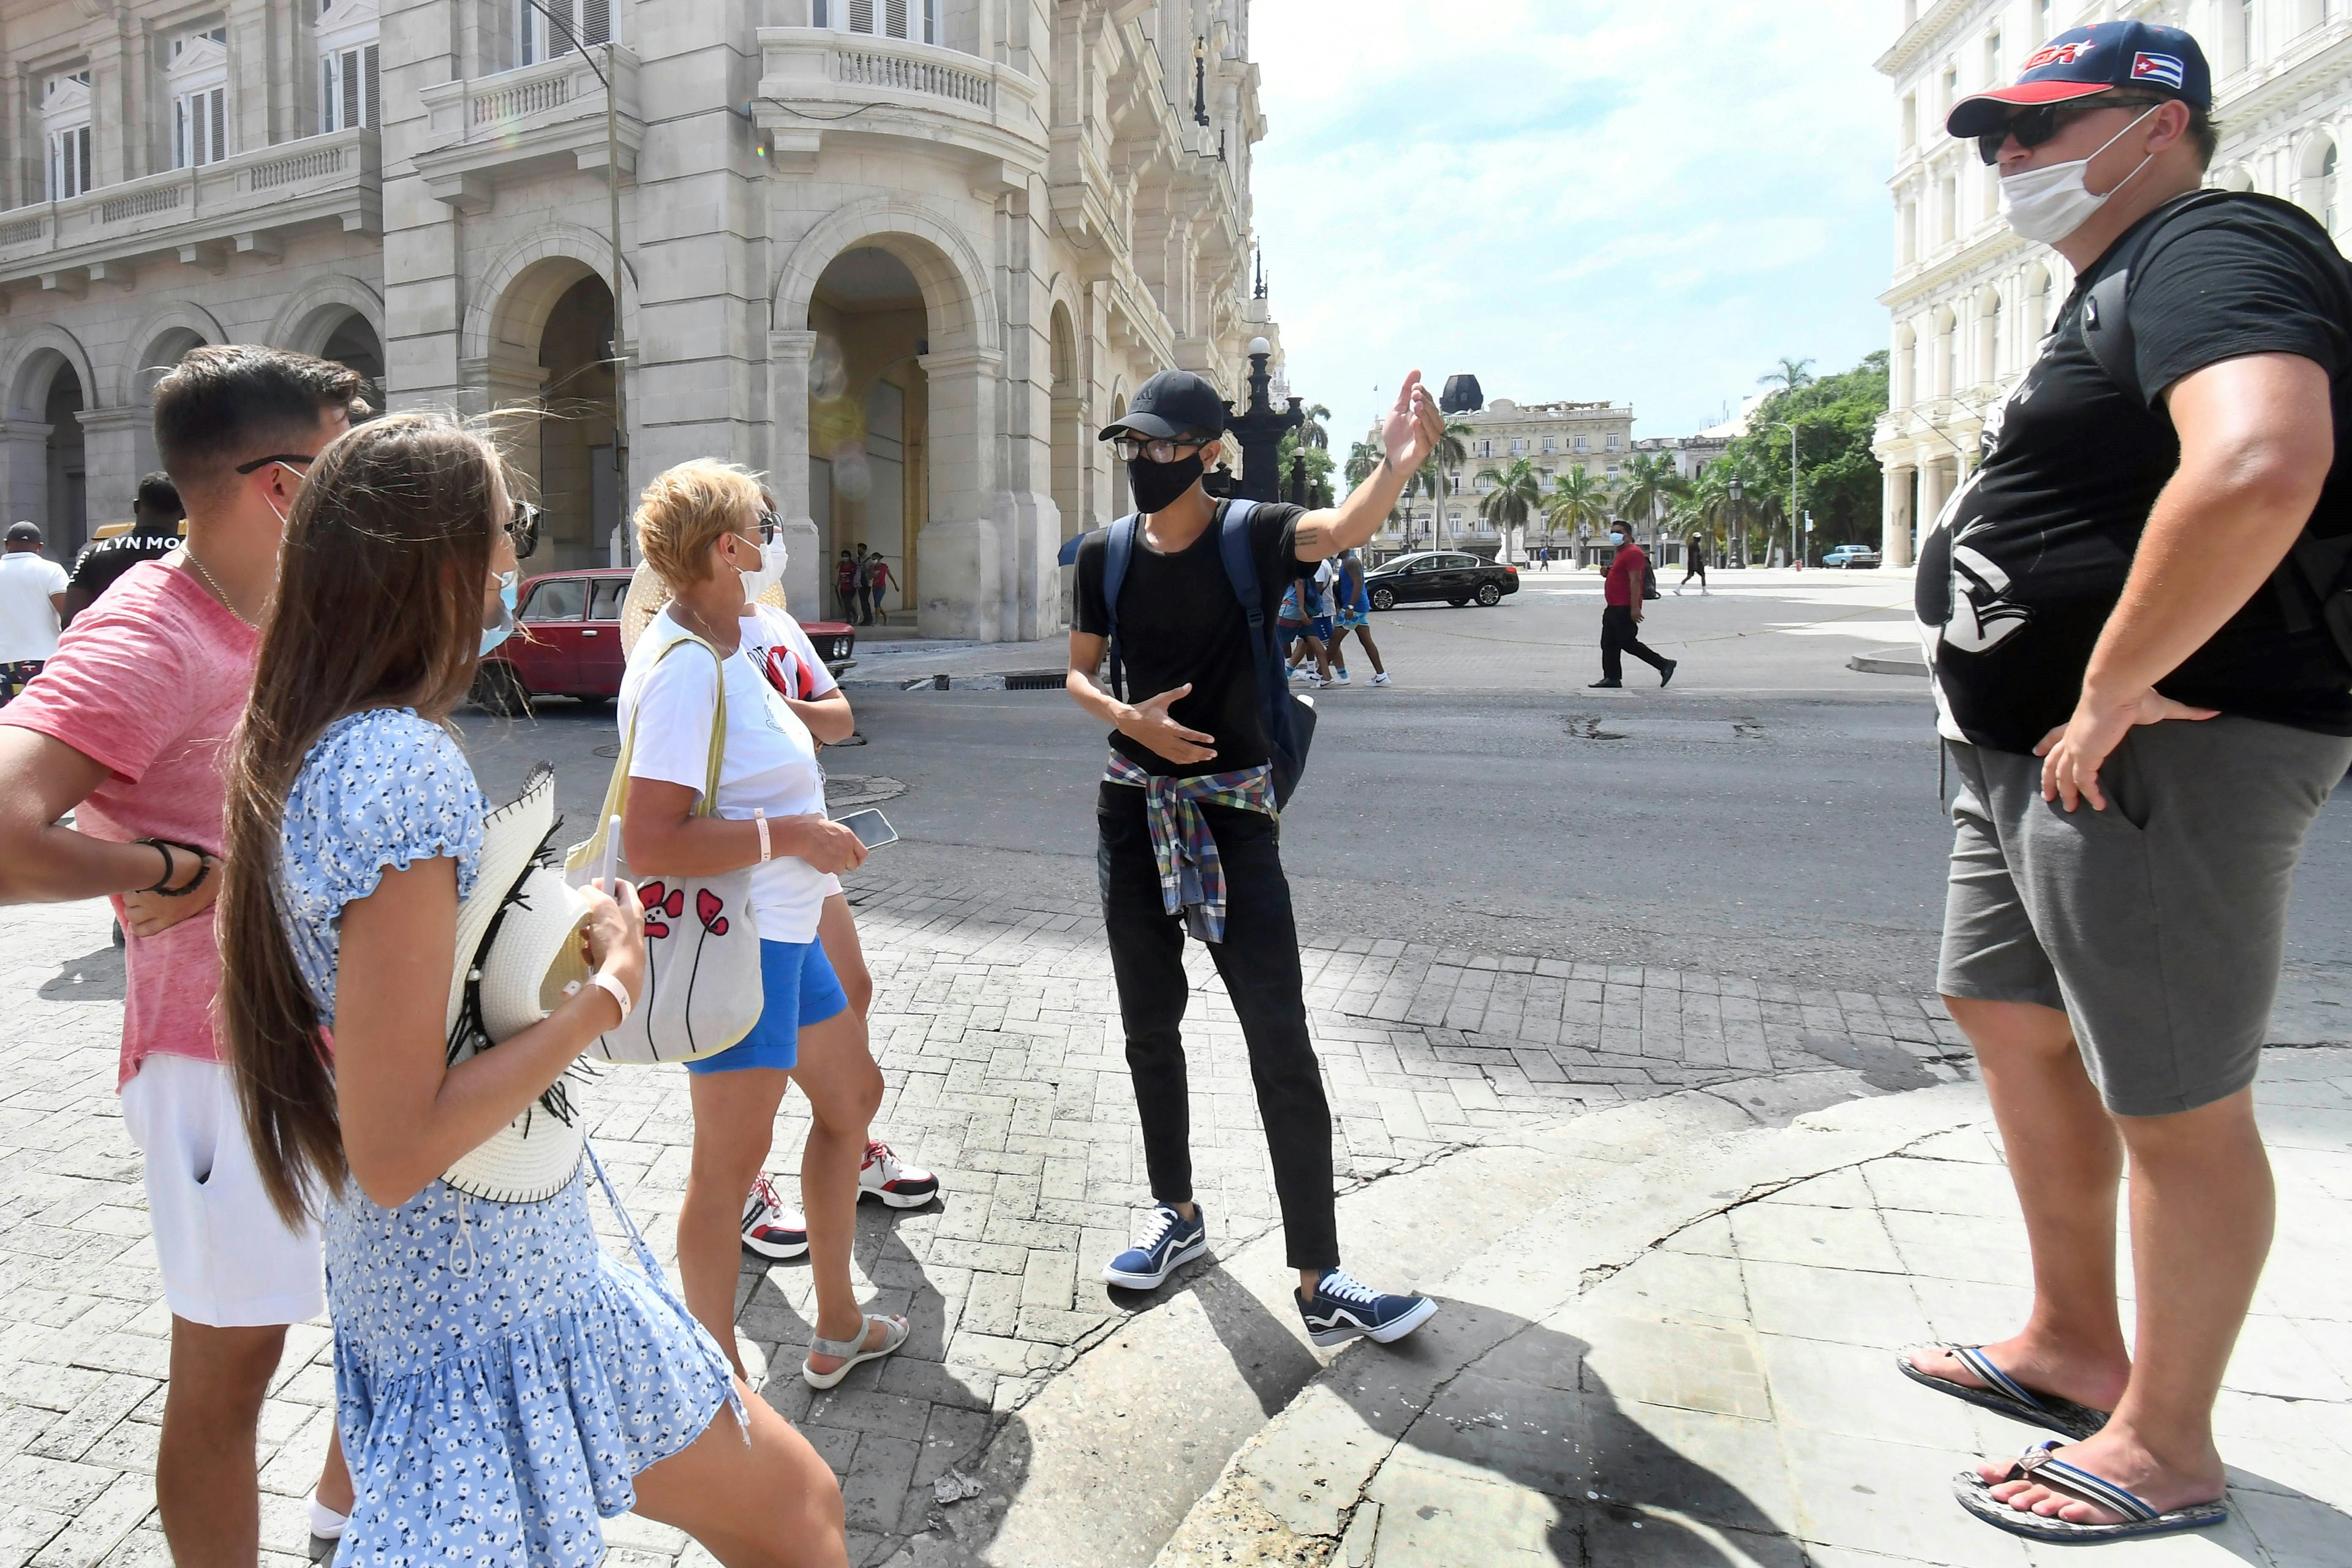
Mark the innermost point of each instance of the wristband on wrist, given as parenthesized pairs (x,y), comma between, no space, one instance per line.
(164,847)
(615,989)
(760,820)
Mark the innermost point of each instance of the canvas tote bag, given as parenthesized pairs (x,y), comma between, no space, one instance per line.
(703,990)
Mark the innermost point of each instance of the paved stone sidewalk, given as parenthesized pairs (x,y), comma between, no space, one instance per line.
(1691,1362)
(997,1030)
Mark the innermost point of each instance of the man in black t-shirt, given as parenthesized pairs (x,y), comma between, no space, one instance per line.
(2143,730)
(1186,821)
(154,533)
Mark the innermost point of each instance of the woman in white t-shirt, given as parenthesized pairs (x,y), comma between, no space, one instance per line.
(704,528)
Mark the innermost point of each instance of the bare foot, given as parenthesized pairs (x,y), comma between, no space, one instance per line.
(2093,1381)
(2120,1458)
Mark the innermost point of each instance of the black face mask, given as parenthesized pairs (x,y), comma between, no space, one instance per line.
(1157,486)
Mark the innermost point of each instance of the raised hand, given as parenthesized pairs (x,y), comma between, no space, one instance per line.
(1412,429)
(1148,721)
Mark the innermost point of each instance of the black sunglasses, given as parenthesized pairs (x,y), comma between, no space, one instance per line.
(770,526)
(2034,126)
(259,463)
(523,528)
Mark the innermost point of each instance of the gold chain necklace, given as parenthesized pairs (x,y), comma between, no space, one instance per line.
(218,592)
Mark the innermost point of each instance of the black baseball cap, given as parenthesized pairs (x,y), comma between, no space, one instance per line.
(2081,62)
(1173,402)
(22,533)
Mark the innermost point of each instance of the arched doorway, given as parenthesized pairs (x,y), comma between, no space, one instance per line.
(353,342)
(870,420)
(66,526)
(548,363)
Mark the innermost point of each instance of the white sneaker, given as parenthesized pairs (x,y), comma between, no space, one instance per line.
(1311,677)
(899,1185)
(770,1229)
(1340,677)
(1380,677)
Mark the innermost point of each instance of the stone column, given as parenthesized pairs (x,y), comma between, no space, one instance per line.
(1895,526)
(25,473)
(118,445)
(1936,483)
(788,471)
(959,573)
(423,284)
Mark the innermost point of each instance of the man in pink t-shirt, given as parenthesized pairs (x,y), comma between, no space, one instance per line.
(128,727)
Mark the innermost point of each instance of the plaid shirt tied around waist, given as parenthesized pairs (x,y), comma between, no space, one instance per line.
(1192,877)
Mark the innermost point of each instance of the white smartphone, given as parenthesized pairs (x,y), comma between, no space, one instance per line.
(873,829)
(611,854)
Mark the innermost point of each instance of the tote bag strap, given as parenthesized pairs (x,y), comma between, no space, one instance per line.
(617,793)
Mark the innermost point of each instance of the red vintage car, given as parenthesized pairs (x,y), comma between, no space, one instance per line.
(567,642)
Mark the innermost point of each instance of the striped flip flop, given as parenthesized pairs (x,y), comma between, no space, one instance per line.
(2005,1395)
(2039,1463)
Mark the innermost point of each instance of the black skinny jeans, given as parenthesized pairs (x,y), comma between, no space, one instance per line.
(1258,961)
(1620,634)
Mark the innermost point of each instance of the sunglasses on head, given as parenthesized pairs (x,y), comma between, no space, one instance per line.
(1127,449)
(2034,126)
(259,463)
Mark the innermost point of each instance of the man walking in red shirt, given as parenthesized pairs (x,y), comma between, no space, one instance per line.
(1621,615)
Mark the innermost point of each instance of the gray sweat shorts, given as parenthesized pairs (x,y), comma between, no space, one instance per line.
(2157,925)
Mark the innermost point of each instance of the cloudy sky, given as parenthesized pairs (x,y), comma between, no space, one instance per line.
(1571,199)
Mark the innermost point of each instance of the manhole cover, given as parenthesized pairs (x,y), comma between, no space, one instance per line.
(612,751)
(860,789)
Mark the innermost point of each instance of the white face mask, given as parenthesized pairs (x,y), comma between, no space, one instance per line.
(771,571)
(2048,203)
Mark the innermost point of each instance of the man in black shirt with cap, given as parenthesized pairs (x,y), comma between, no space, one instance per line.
(2145,717)
(154,533)
(1187,819)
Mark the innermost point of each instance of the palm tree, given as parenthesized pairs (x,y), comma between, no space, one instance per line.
(1647,485)
(1705,507)
(1791,374)
(1516,495)
(1362,458)
(1314,433)
(1577,498)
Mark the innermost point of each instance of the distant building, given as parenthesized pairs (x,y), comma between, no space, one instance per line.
(1556,436)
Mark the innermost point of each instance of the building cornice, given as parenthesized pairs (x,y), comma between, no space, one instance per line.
(1998,246)
(1921,35)
(2289,82)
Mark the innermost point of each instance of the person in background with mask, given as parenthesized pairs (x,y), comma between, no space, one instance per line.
(2143,736)
(705,528)
(1190,785)
(1622,596)
(844,586)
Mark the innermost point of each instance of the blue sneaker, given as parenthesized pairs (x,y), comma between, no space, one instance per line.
(1343,1308)
(1165,1240)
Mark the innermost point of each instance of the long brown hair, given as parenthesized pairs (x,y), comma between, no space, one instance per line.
(379,604)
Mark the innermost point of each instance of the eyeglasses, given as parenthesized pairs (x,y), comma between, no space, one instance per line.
(523,528)
(290,458)
(2033,127)
(768,525)
(1127,449)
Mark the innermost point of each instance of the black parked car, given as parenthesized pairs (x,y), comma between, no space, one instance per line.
(1439,574)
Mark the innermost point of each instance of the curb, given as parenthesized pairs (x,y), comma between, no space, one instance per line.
(1889,661)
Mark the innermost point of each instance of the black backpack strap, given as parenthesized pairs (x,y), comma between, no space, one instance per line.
(1241,571)
(2107,310)
(1119,550)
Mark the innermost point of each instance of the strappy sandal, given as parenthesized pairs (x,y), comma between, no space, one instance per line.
(2041,1464)
(852,1351)
(2005,1395)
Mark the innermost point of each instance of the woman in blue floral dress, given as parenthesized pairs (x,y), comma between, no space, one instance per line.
(502,1384)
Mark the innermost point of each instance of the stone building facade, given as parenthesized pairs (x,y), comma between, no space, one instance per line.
(902,256)
(1970,301)
(1556,436)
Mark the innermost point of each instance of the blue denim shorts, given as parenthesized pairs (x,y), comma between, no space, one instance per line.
(800,988)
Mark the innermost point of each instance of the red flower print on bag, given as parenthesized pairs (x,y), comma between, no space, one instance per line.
(707,905)
(660,898)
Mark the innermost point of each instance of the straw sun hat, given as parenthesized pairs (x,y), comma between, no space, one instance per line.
(518,947)
(649,595)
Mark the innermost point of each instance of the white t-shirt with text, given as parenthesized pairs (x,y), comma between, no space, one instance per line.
(770,761)
(28,621)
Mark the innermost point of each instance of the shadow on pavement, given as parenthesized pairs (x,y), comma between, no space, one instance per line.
(93,977)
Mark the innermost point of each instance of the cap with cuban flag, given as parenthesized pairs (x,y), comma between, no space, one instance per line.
(2110,56)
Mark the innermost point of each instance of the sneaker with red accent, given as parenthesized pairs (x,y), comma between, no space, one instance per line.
(900,1187)
(770,1228)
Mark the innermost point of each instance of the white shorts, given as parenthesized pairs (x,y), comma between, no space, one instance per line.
(228,1260)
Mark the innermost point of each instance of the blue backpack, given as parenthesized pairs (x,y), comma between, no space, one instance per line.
(1288,720)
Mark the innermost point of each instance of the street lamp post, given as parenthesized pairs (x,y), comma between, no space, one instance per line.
(612,217)
(1738,523)
(1796,550)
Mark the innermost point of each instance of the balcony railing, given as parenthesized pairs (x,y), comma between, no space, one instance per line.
(270,188)
(535,119)
(889,87)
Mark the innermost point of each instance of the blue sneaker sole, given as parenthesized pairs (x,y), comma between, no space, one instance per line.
(1176,1259)
(1388,1332)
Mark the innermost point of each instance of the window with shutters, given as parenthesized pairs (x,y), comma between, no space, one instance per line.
(564,26)
(916,21)
(1551,443)
(350,90)
(195,74)
(65,122)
